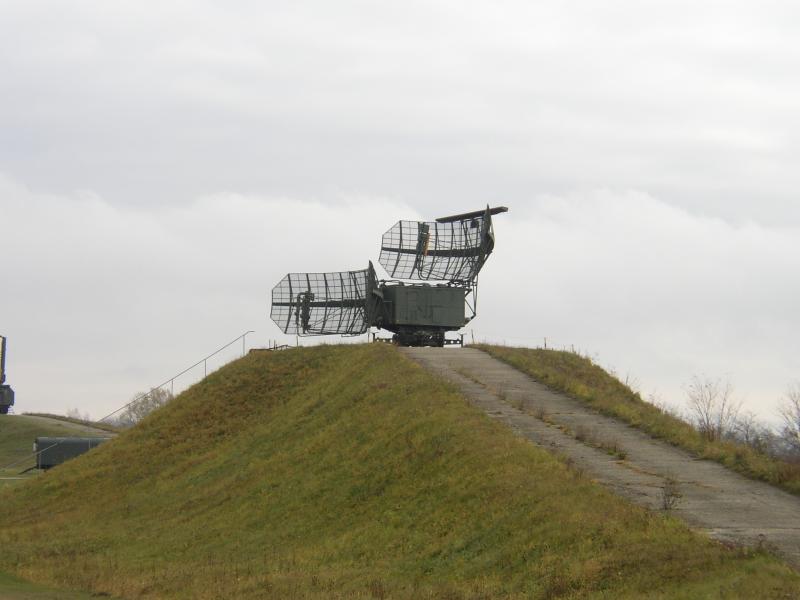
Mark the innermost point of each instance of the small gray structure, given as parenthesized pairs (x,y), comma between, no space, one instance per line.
(6,393)
(52,451)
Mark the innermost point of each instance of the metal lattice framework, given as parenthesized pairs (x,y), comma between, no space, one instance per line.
(2,359)
(323,303)
(449,251)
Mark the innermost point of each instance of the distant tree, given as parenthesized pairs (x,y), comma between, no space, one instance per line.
(75,413)
(748,430)
(712,407)
(142,405)
(790,413)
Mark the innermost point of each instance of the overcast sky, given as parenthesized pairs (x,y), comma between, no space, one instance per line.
(162,165)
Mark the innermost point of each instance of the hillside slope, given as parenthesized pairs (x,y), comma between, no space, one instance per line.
(348,471)
(17,433)
(729,507)
(583,380)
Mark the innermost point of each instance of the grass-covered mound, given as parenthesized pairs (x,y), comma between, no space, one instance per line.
(579,377)
(349,471)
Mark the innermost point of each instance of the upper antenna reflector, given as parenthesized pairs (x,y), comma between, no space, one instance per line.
(448,249)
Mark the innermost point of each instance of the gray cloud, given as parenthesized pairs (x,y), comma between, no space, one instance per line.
(101,301)
(221,146)
(652,290)
(432,103)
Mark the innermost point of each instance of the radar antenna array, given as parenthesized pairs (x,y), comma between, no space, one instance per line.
(450,251)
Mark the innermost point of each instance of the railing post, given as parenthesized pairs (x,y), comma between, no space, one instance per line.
(244,340)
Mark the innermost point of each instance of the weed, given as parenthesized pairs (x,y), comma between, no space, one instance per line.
(764,546)
(584,434)
(590,437)
(670,494)
(377,589)
(614,449)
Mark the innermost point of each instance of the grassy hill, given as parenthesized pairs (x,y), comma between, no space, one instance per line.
(83,424)
(348,471)
(17,433)
(579,377)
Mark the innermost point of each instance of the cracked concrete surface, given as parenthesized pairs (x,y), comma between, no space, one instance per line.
(726,505)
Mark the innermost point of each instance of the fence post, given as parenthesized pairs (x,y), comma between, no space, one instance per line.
(244,341)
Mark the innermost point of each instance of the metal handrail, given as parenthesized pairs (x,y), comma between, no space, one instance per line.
(171,380)
(141,397)
(27,456)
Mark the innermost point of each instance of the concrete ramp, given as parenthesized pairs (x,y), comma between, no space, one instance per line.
(728,506)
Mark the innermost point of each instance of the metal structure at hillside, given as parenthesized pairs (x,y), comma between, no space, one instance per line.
(53,451)
(432,288)
(6,393)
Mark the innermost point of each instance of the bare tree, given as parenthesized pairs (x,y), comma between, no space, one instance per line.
(790,412)
(748,430)
(142,405)
(75,413)
(712,407)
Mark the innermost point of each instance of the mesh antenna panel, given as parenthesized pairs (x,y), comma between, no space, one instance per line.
(419,313)
(448,249)
(324,303)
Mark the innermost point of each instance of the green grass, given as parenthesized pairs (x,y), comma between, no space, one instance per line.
(349,472)
(13,588)
(96,424)
(580,378)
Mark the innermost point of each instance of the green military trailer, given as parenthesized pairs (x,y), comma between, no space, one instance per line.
(52,451)
(6,399)
(420,314)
